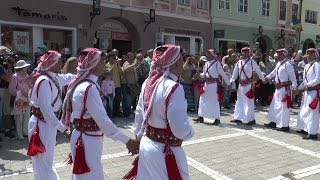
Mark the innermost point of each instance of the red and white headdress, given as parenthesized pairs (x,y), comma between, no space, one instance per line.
(87,60)
(284,51)
(163,57)
(315,51)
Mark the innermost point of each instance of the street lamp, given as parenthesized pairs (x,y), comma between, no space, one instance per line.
(260,31)
(152,18)
(96,9)
(281,36)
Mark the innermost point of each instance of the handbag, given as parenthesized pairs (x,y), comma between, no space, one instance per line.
(20,105)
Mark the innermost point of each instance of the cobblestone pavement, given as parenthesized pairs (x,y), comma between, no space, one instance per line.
(226,152)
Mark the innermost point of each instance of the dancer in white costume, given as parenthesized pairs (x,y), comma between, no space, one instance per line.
(285,81)
(162,121)
(209,106)
(243,70)
(83,107)
(308,119)
(45,104)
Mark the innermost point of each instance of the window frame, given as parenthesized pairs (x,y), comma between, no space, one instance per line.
(204,3)
(224,2)
(265,11)
(184,2)
(244,6)
(285,12)
(314,17)
(297,13)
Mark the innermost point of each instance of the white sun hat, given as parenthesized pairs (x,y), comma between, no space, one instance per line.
(21,64)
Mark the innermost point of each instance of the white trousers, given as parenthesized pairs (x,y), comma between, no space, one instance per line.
(42,163)
(22,121)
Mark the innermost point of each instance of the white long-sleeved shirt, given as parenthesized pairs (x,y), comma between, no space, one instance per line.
(311,74)
(47,94)
(177,110)
(284,72)
(249,67)
(214,71)
(95,109)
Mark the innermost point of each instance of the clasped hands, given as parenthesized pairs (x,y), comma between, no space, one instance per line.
(133,146)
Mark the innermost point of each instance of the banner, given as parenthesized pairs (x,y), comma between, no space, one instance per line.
(21,41)
(297,25)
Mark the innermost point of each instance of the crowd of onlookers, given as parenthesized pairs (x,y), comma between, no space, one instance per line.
(121,83)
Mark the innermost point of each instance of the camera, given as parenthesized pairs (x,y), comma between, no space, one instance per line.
(8,58)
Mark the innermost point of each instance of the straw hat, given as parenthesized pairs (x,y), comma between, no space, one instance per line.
(21,64)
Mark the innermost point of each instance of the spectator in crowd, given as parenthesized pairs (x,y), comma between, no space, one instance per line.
(141,69)
(19,87)
(197,83)
(108,91)
(228,69)
(226,57)
(34,64)
(272,59)
(265,88)
(116,72)
(148,59)
(6,71)
(133,88)
(189,69)
(70,66)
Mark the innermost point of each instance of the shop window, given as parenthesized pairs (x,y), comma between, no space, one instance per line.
(243,6)
(203,4)
(224,4)
(184,43)
(311,17)
(57,39)
(184,2)
(18,38)
(266,8)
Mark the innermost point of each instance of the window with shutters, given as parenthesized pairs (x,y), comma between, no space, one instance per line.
(184,2)
(266,8)
(243,6)
(203,4)
(224,4)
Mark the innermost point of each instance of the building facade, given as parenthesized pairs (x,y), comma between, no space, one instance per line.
(288,15)
(122,24)
(238,23)
(310,36)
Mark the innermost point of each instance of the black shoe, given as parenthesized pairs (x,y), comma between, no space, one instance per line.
(216,122)
(251,122)
(25,135)
(302,132)
(311,136)
(236,121)
(200,120)
(271,125)
(284,129)
(9,134)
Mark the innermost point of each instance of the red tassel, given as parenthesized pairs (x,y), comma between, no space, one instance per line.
(171,164)
(69,160)
(132,174)
(35,144)
(314,103)
(250,94)
(287,98)
(80,166)
(201,90)
(220,92)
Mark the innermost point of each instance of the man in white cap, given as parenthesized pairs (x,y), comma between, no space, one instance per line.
(308,119)
(285,81)
(161,120)
(209,106)
(45,104)
(243,70)
(84,108)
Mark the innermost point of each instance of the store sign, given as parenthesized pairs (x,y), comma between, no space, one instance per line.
(181,31)
(218,33)
(103,34)
(21,41)
(29,13)
(121,36)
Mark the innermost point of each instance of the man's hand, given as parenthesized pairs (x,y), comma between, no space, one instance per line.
(68,134)
(133,146)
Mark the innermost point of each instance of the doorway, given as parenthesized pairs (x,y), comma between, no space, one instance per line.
(122,46)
